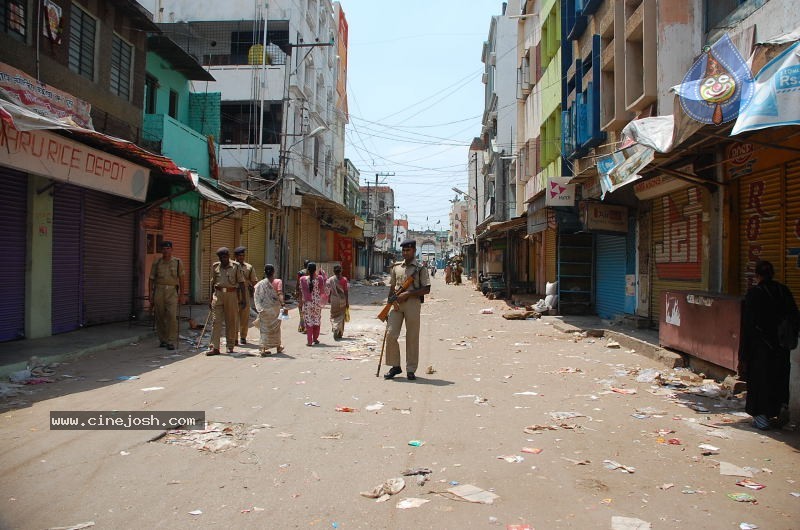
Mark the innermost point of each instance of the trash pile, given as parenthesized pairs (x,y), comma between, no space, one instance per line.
(217,437)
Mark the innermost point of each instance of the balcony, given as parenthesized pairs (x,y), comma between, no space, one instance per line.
(171,138)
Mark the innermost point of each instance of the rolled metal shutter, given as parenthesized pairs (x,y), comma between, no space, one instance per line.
(177,227)
(761,224)
(550,254)
(610,266)
(108,258)
(218,231)
(792,254)
(14,242)
(254,237)
(67,283)
(309,242)
(685,272)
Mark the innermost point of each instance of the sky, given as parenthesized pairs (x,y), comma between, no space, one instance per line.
(415,97)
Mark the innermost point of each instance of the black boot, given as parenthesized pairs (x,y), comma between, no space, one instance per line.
(393,371)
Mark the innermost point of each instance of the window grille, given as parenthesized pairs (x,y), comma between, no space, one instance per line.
(13,17)
(82,34)
(121,59)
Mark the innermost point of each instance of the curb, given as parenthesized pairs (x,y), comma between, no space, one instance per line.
(7,369)
(668,358)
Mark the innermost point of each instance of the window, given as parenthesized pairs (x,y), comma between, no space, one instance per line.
(240,125)
(12,18)
(121,55)
(173,104)
(150,94)
(717,11)
(82,33)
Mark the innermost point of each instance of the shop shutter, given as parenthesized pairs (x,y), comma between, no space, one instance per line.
(218,231)
(792,226)
(678,236)
(67,290)
(14,241)
(550,255)
(761,225)
(254,236)
(177,227)
(108,257)
(309,237)
(610,266)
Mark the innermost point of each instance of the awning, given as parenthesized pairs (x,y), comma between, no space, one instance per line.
(497,229)
(23,119)
(335,211)
(210,193)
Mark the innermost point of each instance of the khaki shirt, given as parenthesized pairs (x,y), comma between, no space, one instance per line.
(166,272)
(249,273)
(400,271)
(230,277)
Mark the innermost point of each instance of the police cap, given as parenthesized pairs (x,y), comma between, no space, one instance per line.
(239,250)
(221,251)
(166,244)
(409,243)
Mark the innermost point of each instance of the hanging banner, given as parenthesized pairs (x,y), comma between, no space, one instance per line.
(717,85)
(53,25)
(777,94)
(559,192)
(622,167)
(19,88)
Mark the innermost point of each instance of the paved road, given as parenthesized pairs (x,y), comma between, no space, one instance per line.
(290,464)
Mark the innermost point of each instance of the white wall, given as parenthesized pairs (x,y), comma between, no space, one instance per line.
(236,82)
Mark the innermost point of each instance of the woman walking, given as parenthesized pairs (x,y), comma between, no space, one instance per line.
(268,299)
(764,358)
(311,289)
(338,289)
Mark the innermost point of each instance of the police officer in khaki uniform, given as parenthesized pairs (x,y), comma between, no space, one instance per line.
(408,310)
(166,291)
(250,281)
(227,298)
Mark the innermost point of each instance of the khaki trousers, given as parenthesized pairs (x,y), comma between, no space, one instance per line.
(243,316)
(409,312)
(226,309)
(165,312)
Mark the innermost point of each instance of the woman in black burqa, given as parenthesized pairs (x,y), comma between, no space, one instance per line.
(763,363)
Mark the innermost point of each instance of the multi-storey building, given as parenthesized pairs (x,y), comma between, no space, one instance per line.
(72,212)
(281,70)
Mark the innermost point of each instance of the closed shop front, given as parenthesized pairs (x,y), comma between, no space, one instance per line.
(768,214)
(310,237)
(254,237)
(218,230)
(67,290)
(13,238)
(679,239)
(610,267)
(108,257)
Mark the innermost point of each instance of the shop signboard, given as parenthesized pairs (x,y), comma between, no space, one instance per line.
(596,216)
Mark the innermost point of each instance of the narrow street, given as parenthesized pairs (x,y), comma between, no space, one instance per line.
(562,410)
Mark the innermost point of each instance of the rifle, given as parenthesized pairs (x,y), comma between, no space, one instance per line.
(392,301)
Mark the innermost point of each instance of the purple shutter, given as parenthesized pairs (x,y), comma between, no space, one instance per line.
(108,258)
(67,295)
(13,241)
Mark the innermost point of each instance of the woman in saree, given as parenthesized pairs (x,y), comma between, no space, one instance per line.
(268,299)
(338,289)
(311,289)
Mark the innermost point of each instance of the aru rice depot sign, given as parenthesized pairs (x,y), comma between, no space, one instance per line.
(59,158)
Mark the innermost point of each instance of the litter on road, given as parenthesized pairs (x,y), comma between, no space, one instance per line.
(471,493)
(612,465)
(391,486)
(411,502)
(628,523)
(726,468)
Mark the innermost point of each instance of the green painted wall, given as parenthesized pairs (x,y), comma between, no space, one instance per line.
(204,113)
(168,79)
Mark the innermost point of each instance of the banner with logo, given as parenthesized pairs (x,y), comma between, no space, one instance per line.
(622,167)
(718,85)
(777,94)
(559,192)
